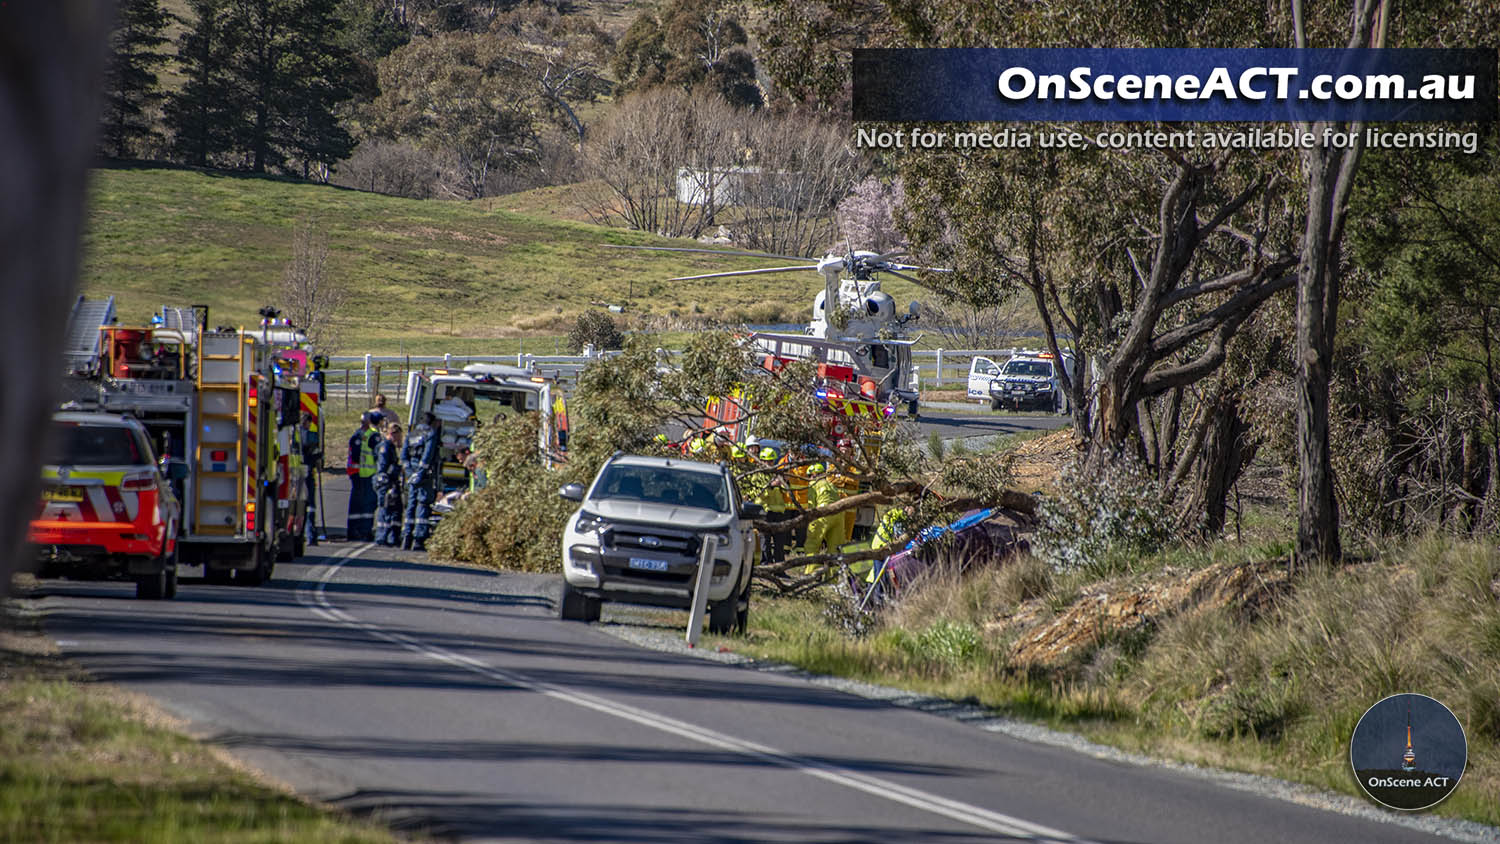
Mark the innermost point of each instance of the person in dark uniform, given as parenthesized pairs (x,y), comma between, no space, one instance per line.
(312,458)
(361,469)
(424,477)
(388,487)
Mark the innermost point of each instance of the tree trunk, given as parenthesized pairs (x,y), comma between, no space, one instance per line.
(1225,455)
(49,85)
(1317,306)
(1329,173)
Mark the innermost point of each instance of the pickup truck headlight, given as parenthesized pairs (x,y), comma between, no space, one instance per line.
(588,523)
(722,538)
(584,558)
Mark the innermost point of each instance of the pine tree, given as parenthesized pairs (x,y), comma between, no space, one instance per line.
(266,79)
(130,83)
(205,115)
(323,74)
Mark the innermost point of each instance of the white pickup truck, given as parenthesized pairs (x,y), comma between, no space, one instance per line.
(638,534)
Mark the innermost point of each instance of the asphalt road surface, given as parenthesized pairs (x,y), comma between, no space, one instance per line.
(950,424)
(451,700)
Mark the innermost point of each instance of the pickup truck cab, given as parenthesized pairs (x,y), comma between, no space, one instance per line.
(639,532)
(108,511)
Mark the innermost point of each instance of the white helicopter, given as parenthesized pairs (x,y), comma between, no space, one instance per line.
(848,279)
(869,338)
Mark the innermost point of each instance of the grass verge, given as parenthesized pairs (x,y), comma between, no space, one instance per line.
(1274,691)
(85,762)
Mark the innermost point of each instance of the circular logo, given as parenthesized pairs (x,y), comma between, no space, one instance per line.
(1408,752)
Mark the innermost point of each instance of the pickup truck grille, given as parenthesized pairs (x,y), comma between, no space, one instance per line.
(657,542)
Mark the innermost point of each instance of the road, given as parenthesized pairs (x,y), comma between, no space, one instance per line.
(953,424)
(450,699)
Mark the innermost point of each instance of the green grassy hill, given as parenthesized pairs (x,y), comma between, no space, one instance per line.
(182,236)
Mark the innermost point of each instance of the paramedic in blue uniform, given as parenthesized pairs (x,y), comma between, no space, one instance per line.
(424,476)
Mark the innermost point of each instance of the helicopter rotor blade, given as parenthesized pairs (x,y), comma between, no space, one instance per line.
(745,272)
(911,279)
(915,267)
(728,252)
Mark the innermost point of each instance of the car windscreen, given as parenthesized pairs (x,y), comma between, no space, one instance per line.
(1028,367)
(660,485)
(72,444)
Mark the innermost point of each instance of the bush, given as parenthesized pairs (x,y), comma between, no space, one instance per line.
(1103,517)
(514,522)
(597,329)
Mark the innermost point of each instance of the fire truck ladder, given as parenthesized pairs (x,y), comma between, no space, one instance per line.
(222,378)
(83,345)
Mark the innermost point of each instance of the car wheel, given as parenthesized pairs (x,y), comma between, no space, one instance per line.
(171,591)
(151,587)
(576,606)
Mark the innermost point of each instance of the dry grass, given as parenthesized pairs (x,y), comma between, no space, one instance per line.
(1239,672)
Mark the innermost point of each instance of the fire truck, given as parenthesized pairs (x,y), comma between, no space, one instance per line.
(872,369)
(224,403)
(852,415)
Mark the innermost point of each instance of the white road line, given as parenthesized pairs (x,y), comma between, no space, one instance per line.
(317,602)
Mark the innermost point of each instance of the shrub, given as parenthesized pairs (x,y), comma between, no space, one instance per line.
(1102,517)
(597,329)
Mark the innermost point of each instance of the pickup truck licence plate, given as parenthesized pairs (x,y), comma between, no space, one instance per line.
(63,493)
(647,564)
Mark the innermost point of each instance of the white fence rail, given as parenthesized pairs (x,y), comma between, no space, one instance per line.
(355,378)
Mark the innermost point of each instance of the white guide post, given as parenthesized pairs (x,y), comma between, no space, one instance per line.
(700,590)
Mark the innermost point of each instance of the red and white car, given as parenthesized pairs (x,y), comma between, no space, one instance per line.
(108,510)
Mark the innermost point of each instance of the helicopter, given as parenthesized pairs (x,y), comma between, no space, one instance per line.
(864,335)
(848,280)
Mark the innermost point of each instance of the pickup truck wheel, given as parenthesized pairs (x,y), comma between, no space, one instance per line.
(995,404)
(742,616)
(723,616)
(576,606)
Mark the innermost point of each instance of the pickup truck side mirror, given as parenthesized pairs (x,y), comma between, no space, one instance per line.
(751,510)
(572,492)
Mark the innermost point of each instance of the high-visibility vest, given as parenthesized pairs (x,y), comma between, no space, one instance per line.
(366,454)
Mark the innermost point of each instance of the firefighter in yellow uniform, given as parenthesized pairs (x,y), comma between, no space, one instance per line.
(825,530)
(697,445)
(890,526)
